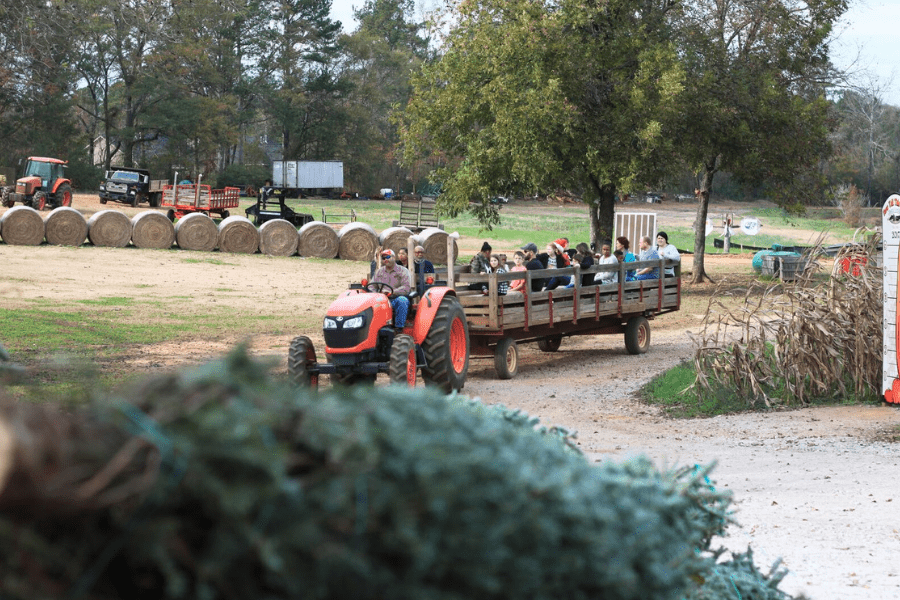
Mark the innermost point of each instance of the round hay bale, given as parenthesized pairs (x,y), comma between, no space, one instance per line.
(65,226)
(278,238)
(318,239)
(357,241)
(109,228)
(196,231)
(394,238)
(238,235)
(152,229)
(434,241)
(18,226)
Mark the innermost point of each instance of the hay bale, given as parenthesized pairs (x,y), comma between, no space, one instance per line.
(196,231)
(151,229)
(318,239)
(109,228)
(65,226)
(22,226)
(357,241)
(434,241)
(278,238)
(238,235)
(394,238)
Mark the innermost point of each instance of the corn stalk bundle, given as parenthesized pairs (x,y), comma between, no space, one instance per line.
(22,226)
(109,228)
(434,240)
(196,231)
(152,229)
(316,239)
(395,238)
(65,226)
(789,344)
(357,241)
(278,238)
(238,235)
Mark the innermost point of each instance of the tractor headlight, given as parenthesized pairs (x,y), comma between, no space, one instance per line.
(354,323)
(329,324)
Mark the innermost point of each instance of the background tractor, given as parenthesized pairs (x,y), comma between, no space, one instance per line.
(360,341)
(43,183)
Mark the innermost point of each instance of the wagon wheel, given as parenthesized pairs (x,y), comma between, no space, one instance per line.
(171,214)
(225,214)
(637,335)
(402,366)
(302,363)
(550,343)
(506,358)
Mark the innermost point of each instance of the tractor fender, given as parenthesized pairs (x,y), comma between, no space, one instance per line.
(427,308)
(59,182)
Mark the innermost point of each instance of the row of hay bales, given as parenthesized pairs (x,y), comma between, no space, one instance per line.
(65,226)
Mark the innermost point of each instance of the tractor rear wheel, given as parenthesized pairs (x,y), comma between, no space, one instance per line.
(39,201)
(550,344)
(301,363)
(64,195)
(506,358)
(446,347)
(637,335)
(402,366)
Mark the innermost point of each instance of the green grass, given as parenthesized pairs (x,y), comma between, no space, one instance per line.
(672,392)
(108,301)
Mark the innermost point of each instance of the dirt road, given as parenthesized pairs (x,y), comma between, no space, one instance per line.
(813,486)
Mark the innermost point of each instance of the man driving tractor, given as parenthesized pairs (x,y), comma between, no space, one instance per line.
(397,277)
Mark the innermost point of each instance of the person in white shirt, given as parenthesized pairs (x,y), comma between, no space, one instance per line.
(667,251)
(606,258)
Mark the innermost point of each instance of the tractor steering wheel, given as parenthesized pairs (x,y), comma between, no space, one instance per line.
(379,287)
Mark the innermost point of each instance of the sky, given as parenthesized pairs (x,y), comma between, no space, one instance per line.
(863,42)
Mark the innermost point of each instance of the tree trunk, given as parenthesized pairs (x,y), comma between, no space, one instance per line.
(709,171)
(602,211)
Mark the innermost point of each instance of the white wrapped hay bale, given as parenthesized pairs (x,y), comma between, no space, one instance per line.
(151,229)
(278,238)
(318,240)
(22,226)
(358,241)
(196,231)
(109,228)
(65,226)
(238,235)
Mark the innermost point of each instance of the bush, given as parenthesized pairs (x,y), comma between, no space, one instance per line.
(222,483)
(243,175)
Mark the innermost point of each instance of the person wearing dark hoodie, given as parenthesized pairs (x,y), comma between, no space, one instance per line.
(480,263)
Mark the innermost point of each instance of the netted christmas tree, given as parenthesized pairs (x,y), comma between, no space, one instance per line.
(224,483)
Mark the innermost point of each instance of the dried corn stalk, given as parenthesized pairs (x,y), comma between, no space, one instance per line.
(788,343)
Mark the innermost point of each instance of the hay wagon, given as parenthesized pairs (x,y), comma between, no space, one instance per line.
(190,198)
(498,323)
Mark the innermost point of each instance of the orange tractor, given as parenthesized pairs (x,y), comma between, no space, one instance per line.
(43,184)
(360,341)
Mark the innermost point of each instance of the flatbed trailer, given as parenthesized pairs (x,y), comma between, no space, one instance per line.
(497,323)
(189,198)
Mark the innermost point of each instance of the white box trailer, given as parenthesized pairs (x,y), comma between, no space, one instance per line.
(308,174)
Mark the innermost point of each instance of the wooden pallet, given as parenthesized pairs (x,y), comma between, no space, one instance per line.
(417,215)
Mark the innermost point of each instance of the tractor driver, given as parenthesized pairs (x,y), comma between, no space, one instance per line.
(397,277)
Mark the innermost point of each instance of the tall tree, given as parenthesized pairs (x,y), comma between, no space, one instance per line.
(534,94)
(755,102)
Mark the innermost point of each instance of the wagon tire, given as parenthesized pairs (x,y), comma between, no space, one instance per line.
(302,363)
(637,335)
(506,358)
(225,214)
(171,214)
(550,343)
(402,365)
(446,347)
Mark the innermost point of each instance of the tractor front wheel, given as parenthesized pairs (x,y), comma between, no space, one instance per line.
(64,195)
(302,362)
(446,347)
(39,201)
(4,198)
(402,366)
(637,335)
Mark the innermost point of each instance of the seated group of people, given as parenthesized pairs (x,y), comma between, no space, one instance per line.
(559,255)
